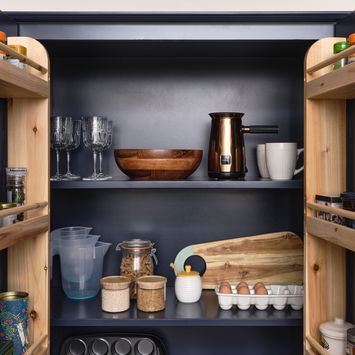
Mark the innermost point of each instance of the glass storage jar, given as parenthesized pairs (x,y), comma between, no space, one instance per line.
(151,293)
(137,260)
(15,187)
(115,293)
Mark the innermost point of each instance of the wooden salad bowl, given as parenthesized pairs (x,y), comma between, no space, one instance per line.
(158,164)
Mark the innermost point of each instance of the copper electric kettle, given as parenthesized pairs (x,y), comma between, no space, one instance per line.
(226,155)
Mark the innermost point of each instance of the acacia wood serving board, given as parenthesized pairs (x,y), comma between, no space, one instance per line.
(275,258)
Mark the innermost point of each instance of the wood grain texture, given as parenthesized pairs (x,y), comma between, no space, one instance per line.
(275,258)
(325,173)
(334,210)
(337,84)
(29,228)
(28,146)
(20,209)
(158,164)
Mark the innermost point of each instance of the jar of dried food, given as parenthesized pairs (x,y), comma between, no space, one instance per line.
(7,220)
(14,61)
(151,293)
(351,57)
(137,260)
(3,41)
(351,341)
(337,48)
(15,187)
(115,293)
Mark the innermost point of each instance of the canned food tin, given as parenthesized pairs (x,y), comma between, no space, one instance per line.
(14,319)
(7,220)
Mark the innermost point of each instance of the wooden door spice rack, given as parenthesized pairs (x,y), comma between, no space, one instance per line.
(27,242)
(326,92)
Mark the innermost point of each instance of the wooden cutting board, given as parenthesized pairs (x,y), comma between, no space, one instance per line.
(275,258)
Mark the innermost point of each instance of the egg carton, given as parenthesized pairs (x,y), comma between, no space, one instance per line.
(279,296)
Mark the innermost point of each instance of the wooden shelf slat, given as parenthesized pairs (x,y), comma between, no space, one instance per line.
(333,210)
(338,84)
(21,209)
(38,346)
(11,235)
(315,345)
(18,83)
(331,232)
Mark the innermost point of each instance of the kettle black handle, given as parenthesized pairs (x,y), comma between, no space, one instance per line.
(260,129)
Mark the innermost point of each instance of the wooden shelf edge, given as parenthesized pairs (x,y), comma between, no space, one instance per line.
(338,84)
(331,232)
(18,83)
(39,346)
(333,210)
(21,209)
(316,346)
(11,235)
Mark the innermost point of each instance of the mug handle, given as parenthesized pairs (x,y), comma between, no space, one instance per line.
(297,171)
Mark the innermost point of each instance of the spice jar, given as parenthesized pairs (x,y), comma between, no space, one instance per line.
(151,293)
(339,47)
(7,220)
(14,61)
(2,40)
(351,341)
(15,187)
(115,293)
(332,201)
(348,199)
(137,260)
(351,57)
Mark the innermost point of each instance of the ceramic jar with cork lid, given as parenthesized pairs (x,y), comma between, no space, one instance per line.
(334,336)
(188,286)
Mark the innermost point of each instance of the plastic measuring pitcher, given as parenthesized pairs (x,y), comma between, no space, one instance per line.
(82,270)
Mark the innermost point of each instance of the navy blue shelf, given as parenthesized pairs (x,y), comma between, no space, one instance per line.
(191,183)
(70,313)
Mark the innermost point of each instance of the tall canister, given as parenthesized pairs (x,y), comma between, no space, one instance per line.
(14,319)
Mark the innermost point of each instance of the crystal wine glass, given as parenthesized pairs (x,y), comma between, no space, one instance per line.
(94,138)
(108,142)
(61,137)
(74,145)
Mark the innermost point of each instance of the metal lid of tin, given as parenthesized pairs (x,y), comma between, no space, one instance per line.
(12,295)
(335,329)
(4,206)
(349,195)
(16,171)
(115,282)
(352,39)
(340,46)
(151,282)
(135,244)
(351,334)
(331,199)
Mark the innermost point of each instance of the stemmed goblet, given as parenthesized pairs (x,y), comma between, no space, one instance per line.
(61,137)
(75,142)
(94,138)
(108,142)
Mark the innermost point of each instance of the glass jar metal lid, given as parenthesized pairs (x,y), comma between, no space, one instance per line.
(351,334)
(6,205)
(132,244)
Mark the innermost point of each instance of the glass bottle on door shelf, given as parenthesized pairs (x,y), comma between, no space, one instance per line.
(15,187)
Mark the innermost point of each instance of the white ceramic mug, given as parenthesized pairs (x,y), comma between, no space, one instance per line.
(261,159)
(281,159)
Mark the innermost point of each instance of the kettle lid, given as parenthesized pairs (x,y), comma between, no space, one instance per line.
(218,115)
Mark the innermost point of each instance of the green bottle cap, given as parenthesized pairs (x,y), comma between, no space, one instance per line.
(340,46)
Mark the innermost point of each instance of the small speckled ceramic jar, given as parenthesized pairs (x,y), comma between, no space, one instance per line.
(188,286)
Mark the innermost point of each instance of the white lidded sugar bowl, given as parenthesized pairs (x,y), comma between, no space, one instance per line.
(188,286)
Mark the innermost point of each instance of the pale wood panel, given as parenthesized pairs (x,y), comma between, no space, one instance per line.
(37,346)
(334,233)
(28,146)
(337,84)
(16,82)
(325,164)
(16,233)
